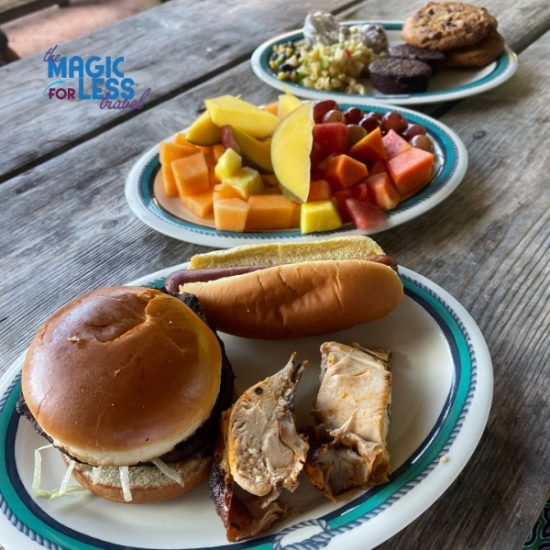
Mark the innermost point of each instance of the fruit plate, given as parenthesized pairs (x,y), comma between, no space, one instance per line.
(147,200)
(447,85)
(442,390)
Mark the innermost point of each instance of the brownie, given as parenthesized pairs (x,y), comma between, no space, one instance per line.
(435,59)
(399,76)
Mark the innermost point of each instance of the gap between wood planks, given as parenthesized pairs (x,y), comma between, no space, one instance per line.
(437,112)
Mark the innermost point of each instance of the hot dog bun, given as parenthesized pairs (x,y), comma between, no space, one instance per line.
(297,299)
(337,248)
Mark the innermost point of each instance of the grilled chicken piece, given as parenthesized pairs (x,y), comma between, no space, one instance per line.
(348,447)
(259,454)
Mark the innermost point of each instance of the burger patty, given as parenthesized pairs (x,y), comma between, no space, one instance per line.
(202,441)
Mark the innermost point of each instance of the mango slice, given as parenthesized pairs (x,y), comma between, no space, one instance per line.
(203,131)
(286,104)
(241,115)
(256,152)
(290,149)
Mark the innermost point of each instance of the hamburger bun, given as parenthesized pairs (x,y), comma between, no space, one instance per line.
(147,483)
(121,375)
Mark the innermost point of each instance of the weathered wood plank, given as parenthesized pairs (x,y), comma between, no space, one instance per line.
(167,49)
(178,27)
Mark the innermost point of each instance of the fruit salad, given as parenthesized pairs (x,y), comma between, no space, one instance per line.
(294,164)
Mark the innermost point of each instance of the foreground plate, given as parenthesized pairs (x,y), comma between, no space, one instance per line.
(147,200)
(441,399)
(446,86)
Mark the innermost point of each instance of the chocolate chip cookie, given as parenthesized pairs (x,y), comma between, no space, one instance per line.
(478,55)
(447,25)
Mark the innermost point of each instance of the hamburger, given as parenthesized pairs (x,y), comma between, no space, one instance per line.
(129,384)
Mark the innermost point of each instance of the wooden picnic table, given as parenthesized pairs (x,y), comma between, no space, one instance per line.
(66,227)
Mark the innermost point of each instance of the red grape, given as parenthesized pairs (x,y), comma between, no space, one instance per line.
(334,115)
(422,142)
(353,115)
(377,116)
(355,133)
(414,130)
(393,121)
(369,123)
(320,108)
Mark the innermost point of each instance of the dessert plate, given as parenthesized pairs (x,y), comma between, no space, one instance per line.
(442,390)
(147,200)
(448,85)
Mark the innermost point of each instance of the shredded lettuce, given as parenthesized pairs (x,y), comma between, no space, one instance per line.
(64,489)
(125,483)
(168,471)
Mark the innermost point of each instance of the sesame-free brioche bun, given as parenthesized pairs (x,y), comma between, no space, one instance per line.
(147,483)
(121,375)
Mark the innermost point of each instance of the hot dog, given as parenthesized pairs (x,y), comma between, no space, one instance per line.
(292,289)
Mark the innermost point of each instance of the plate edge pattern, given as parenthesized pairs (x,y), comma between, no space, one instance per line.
(320,540)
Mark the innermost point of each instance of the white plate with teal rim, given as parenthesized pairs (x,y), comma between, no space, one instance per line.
(442,390)
(447,85)
(146,198)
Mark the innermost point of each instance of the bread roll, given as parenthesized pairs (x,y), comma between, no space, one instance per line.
(300,299)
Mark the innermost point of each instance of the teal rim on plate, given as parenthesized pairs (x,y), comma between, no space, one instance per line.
(499,71)
(468,355)
(453,161)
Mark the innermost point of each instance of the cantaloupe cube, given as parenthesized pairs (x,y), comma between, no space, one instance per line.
(172,151)
(218,150)
(228,164)
(191,174)
(319,216)
(272,108)
(200,205)
(231,214)
(246,181)
(180,139)
(170,187)
(225,191)
(270,212)
(203,131)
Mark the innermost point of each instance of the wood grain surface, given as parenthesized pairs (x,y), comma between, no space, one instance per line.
(66,228)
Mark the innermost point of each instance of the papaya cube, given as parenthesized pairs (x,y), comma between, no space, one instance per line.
(411,170)
(394,144)
(272,107)
(343,171)
(191,173)
(203,131)
(228,164)
(231,214)
(199,205)
(319,190)
(319,216)
(382,191)
(270,212)
(172,151)
(378,167)
(370,148)
(170,187)
(225,191)
(246,181)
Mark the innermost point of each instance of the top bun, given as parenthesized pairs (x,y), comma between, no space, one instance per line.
(121,375)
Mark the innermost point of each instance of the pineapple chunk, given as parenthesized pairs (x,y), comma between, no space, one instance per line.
(228,164)
(319,216)
(246,181)
(287,103)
